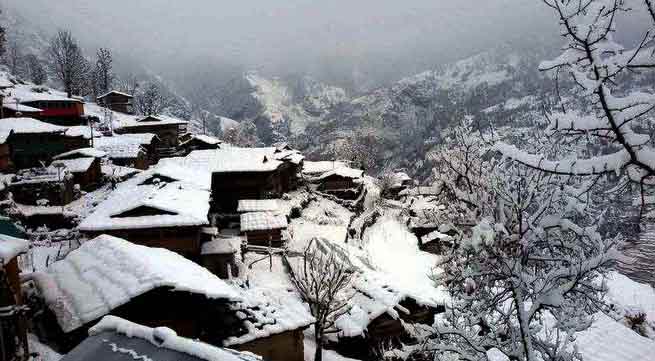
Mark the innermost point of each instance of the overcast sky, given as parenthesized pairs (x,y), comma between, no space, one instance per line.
(399,36)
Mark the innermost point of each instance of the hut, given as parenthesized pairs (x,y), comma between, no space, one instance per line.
(12,321)
(168,129)
(436,242)
(155,287)
(342,182)
(124,151)
(246,173)
(84,164)
(193,142)
(154,208)
(258,205)
(263,229)
(36,185)
(33,143)
(219,255)
(117,101)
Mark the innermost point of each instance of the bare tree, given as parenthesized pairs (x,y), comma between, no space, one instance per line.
(323,281)
(150,100)
(650,6)
(67,62)
(36,71)
(3,39)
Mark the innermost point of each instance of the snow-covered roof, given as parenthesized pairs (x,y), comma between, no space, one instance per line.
(142,138)
(174,204)
(119,146)
(262,221)
(21,108)
(234,159)
(112,170)
(151,120)
(344,172)
(436,235)
(207,139)
(10,247)
(222,245)
(314,168)
(268,311)
(116,92)
(83,153)
(157,344)
(258,205)
(107,272)
(79,131)
(29,126)
(77,165)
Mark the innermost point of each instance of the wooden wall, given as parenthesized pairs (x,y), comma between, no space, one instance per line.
(287,346)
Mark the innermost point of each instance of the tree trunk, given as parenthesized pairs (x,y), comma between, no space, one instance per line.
(318,338)
(524,325)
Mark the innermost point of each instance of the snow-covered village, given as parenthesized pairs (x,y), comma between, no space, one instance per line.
(368,180)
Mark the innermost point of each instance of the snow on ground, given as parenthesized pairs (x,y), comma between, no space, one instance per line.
(44,352)
(608,340)
(392,249)
(303,231)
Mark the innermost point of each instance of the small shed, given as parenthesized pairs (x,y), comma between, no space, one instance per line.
(198,142)
(342,182)
(220,255)
(117,101)
(436,242)
(116,339)
(263,228)
(167,128)
(84,164)
(124,151)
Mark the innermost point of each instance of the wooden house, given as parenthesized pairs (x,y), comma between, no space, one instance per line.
(246,173)
(33,143)
(154,209)
(168,129)
(193,142)
(264,229)
(84,165)
(167,290)
(127,151)
(117,101)
(56,109)
(14,326)
(32,186)
(219,254)
(342,182)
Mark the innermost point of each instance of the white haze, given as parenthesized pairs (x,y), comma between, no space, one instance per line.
(385,39)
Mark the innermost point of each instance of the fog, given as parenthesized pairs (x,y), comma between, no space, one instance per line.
(385,39)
